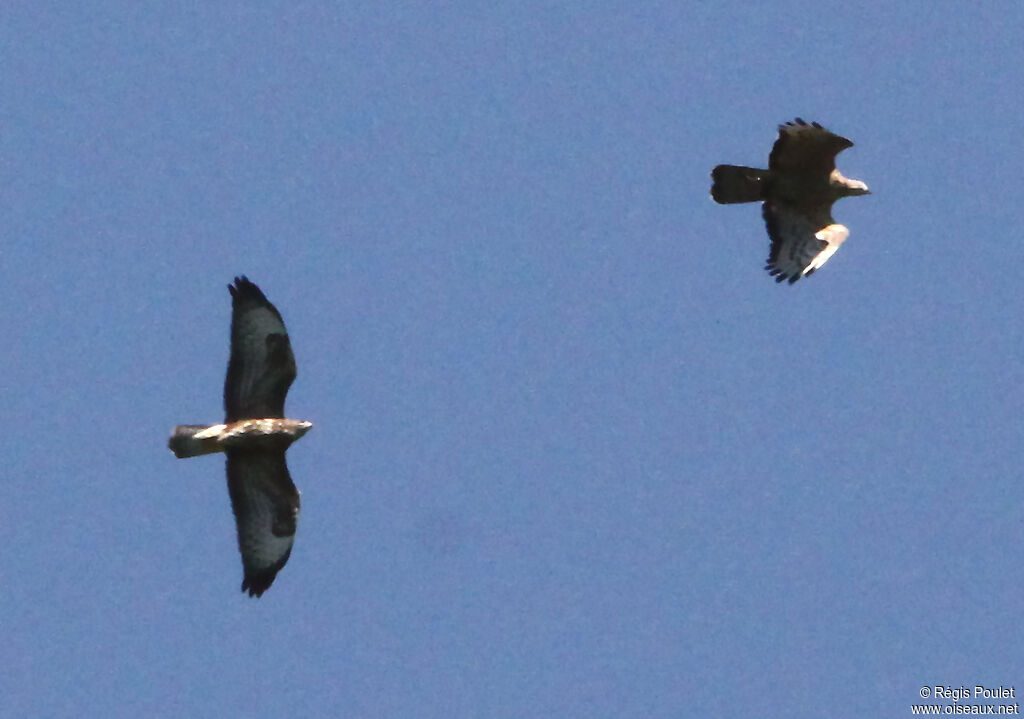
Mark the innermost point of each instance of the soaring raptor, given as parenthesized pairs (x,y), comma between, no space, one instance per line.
(255,436)
(797,190)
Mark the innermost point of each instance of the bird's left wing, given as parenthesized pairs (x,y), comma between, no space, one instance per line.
(262,366)
(801,242)
(806,148)
(266,507)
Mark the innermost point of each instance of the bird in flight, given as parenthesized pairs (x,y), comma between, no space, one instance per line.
(797,190)
(254,436)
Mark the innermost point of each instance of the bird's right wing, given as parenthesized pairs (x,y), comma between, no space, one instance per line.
(266,507)
(801,243)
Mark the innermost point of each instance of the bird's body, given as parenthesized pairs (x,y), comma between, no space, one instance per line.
(255,436)
(193,440)
(798,190)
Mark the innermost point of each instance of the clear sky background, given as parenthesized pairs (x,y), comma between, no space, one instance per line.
(575,454)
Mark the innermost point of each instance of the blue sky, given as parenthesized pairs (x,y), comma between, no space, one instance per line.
(575,454)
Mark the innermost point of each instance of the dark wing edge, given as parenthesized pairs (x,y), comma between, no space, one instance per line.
(797,241)
(806,147)
(262,366)
(266,507)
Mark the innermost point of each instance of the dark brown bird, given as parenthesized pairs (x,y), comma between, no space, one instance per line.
(255,436)
(797,190)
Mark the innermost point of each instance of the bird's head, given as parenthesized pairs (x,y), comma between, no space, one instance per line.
(856,187)
(845,187)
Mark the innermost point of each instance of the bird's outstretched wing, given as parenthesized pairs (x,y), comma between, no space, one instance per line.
(806,148)
(262,366)
(801,243)
(266,506)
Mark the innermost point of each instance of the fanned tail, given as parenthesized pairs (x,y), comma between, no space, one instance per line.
(192,440)
(732,183)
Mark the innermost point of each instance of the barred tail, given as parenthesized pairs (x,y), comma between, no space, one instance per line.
(731,183)
(191,440)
